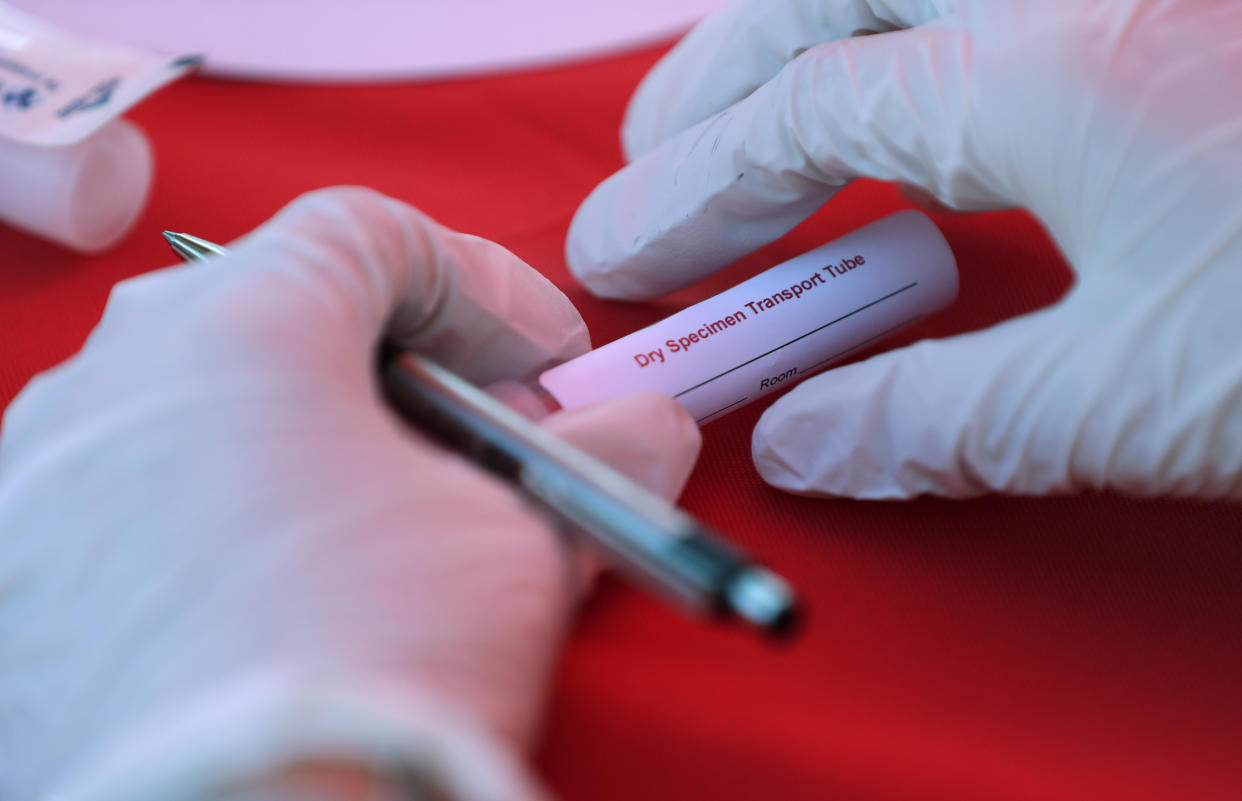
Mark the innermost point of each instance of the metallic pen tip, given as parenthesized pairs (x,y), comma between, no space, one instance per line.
(191,248)
(181,246)
(766,600)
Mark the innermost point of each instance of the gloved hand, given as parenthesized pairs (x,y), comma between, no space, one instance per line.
(226,562)
(1118,124)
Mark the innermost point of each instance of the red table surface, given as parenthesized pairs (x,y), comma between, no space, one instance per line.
(1084,647)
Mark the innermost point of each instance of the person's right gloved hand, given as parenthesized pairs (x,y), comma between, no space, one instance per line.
(1118,124)
(229,570)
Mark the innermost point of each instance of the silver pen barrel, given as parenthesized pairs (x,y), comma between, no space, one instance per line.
(639,533)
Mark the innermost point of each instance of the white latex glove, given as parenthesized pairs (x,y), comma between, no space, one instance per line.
(223,560)
(1118,123)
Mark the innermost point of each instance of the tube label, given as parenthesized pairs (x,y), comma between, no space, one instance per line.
(777,328)
(57,88)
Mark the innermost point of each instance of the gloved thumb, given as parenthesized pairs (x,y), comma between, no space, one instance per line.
(959,417)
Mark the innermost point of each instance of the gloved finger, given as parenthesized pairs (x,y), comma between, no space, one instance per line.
(986,411)
(893,107)
(370,265)
(924,200)
(1058,400)
(743,45)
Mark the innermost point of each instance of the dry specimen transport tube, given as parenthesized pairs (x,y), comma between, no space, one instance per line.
(776,328)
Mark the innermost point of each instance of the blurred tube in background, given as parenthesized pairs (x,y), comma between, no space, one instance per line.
(85,196)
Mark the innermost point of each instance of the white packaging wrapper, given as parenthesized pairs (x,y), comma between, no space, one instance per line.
(777,328)
(57,88)
(71,171)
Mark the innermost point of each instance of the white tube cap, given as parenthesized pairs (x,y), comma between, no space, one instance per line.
(85,196)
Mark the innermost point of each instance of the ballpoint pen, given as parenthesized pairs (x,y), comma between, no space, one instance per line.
(639,533)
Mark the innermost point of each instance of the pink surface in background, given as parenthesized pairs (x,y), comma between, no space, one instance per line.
(374,39)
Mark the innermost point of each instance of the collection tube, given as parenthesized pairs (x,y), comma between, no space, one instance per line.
(768,332)
(85,196)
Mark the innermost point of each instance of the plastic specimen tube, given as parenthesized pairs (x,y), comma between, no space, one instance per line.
(86,195)
(770,331)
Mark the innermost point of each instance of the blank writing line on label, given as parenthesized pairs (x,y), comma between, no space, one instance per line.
(721,409)
(798,338)
(880,335)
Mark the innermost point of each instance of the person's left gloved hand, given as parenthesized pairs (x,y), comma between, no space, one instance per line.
(1117,124)
(224,557)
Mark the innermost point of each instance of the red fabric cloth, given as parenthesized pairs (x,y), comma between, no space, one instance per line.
(1084,647)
